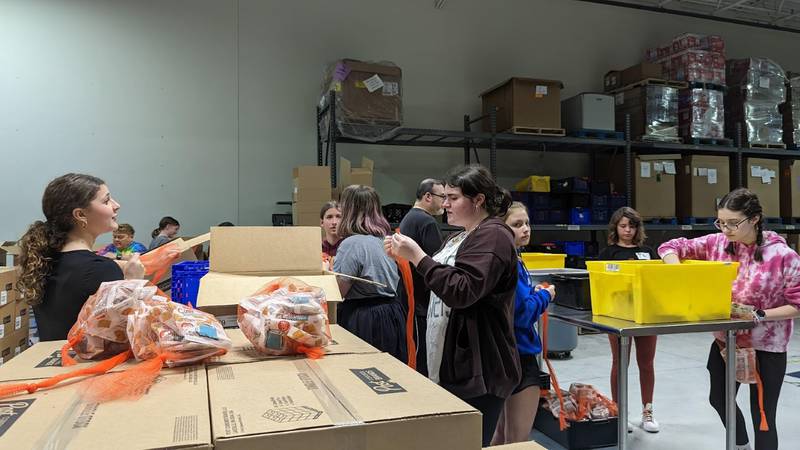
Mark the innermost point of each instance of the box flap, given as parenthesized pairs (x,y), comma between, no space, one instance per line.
(343,342)
(303,394)
(367,164)
(266,250)
(220,293)
(345,169)
(172,414)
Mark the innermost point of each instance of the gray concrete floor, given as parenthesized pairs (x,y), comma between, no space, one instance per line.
(681,393)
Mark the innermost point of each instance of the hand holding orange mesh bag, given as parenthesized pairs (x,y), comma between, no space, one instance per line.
(100,331)
(286,317)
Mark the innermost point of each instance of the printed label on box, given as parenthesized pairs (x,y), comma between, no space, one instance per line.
(341,71)
(658,167)
(702,171)
(669,168)
(541,91)
(377,381)
(755,171)
(712,176)
(18,323)
(10,411)
(644,170)
(391,89)
(763,82)
(373,83)
(765,178)
(612,267)
(3,298)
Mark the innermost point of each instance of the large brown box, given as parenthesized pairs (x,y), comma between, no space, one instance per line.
(172,414)
(8,284)
(653,182)
(701,182)
(311,177)
(761,177)
(7,315)
(355,103)
(366,401)
(524,102)
(790,189)
(9,248)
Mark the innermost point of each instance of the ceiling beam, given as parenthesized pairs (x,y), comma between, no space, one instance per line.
(732,5)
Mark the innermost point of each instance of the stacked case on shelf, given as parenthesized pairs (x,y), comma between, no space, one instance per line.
(653,112)
(699,60)
(791,112)
(757,88)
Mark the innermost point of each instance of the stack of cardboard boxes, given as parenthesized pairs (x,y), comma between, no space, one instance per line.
(14,316)
(525,105)
(311,189)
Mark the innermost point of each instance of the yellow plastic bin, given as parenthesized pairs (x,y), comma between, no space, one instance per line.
(543,260)
(533,183)
(654,292)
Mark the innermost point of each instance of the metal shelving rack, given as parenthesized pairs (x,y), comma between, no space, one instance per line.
(469,140)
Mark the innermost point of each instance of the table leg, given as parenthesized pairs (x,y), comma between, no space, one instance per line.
(622,392)
(730,390)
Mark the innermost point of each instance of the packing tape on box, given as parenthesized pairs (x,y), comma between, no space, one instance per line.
(68,425)
(340,411)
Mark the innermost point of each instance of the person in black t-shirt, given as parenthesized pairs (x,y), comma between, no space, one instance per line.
(626,238)
(59,269)
(419,224)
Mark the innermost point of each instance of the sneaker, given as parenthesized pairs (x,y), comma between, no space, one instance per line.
(744,447)
(649,424)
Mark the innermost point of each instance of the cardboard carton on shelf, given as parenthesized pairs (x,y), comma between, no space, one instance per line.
(524,103)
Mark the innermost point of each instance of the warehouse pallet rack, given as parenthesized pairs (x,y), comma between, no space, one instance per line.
(469,141)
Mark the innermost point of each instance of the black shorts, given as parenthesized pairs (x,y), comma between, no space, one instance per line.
(530,373)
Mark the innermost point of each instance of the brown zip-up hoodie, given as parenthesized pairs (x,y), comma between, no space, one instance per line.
(480,352)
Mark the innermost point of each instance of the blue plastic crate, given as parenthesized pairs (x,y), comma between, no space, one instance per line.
(580,216)
(539,217)
(599,201)
(538,200)
(601,216)
(575,248)
(558,216)
(572,185)
(186,281)
(616,201)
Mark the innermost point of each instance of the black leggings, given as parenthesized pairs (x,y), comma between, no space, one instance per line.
(771,368)
(490,406)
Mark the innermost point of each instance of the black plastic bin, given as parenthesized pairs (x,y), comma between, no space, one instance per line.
(579,435)
(572,286)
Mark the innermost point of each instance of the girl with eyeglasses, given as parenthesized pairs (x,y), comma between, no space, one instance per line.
(767,285)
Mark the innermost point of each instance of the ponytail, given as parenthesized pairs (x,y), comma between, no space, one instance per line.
(39,245)
(759,240)
(499,204)
(155,233)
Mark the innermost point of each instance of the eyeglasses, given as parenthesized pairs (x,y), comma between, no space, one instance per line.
(441,196)
(730,225)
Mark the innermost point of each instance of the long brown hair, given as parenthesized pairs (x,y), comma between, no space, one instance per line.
(163,223)
(43,240)
(361,213)
(746,202)
(635,220)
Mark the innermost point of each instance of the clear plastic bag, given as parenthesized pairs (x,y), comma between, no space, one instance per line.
(286,317)
(662,111)
(177,333)
(100,331)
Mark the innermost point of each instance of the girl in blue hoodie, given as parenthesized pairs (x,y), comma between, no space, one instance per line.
(519,412)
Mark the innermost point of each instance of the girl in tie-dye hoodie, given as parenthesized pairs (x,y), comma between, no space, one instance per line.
(768,282)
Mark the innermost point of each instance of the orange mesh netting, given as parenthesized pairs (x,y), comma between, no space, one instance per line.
(158,262)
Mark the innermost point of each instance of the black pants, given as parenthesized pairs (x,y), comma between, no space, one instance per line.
(421,327)
(771,368)
(490,406)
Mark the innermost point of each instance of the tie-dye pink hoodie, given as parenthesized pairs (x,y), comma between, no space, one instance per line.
(768,284)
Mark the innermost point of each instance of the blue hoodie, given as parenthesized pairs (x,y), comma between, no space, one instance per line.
(528,306)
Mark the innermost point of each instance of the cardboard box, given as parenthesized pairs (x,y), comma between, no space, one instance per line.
(761,177)
(529,445)
(702,181)
(6,352)
(588,112)
(312,177)
(790,189)
(349,175)
(317,195)
(347,401)
(524,102)
(21,315)
(653,111)
(8,284)
(7,314)
(43,360)
(356,103)
(172,414)
(236,271)
(9,248)
(641,71)
(343,343)
(306,214)
(612,80)
(20,341)
(653,182)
